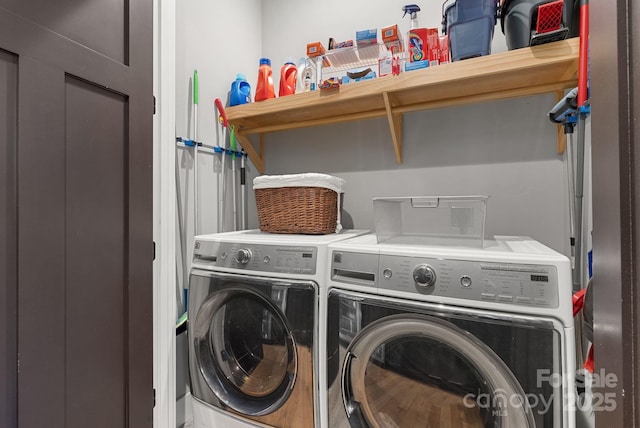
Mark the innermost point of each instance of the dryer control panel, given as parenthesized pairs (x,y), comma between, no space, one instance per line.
(256,257)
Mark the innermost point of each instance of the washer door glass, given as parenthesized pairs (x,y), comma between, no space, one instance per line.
(416,370)
(245,350)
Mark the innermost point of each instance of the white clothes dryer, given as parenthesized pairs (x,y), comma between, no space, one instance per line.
(253,327)
(421,335)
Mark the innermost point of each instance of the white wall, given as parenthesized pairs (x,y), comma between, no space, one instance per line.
(504,149)
(219,39)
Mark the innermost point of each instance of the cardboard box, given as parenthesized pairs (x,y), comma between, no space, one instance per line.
(339,45)
(390,33)
(367,37)
(392,39)
(316,49)
(445,55)
(433,46)
(417,45)
(385,66)
(416,65)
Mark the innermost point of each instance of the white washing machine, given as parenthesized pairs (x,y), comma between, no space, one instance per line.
(436,336)
(253,327)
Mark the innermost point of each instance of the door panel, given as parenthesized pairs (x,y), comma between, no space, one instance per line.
(8,299)
(41,256)
(82,109)
(96,228)
(96,24)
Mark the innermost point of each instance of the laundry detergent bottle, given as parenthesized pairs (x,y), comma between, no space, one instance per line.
(300,76)
(288,78)
(240,91)
(264,88)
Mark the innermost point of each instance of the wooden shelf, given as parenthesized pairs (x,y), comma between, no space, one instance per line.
(548,68)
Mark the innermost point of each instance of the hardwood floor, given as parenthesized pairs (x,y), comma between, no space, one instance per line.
(395,401)
(298,410)
(268,375)
(392,400)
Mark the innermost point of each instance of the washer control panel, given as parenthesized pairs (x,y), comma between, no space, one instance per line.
(257,257)
(514,283)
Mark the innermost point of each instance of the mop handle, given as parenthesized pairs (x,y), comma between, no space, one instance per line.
(583,64)
(195,87)
(195,152)
(232,139)
(243,214)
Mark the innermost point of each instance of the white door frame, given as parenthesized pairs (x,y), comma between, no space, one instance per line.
(164,214)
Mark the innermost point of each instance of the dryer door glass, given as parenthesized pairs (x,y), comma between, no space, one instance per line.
(413,369)
(245,349)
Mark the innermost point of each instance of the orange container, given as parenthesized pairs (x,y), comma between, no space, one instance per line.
(288,78)
(264,88)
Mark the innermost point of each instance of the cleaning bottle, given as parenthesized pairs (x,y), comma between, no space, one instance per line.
(240,91)
(264,88)
(288,77)
(417,36)
(300,76)
(308,77)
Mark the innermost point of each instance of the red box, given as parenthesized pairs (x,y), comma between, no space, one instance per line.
(445,56)
(390,33)
(433,47)
(417,44)
(392,39)
(316,49)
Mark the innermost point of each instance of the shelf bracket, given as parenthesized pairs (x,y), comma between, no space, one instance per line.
(561,139)
(395,126)
(257,158)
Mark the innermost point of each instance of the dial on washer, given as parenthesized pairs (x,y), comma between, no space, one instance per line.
(424,276)
(243,256)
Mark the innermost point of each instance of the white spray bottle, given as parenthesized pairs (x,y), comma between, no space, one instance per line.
(417,36)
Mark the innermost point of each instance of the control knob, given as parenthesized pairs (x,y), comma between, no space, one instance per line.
(243,256)
(424,276)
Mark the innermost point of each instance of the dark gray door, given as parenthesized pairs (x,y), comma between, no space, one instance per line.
(76,246)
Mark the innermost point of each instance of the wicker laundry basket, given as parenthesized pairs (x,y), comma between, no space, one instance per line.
(298,203)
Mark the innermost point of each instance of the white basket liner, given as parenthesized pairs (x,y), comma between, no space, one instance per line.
(309,179)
